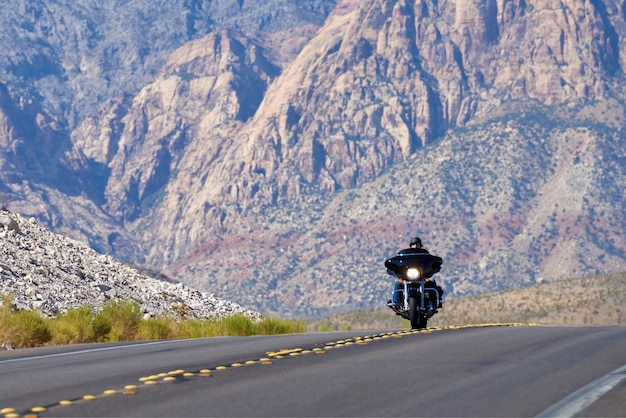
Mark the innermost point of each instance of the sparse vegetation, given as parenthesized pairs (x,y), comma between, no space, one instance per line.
(594,300)
(597,300)
(122,321)
(74,327)
(22,328)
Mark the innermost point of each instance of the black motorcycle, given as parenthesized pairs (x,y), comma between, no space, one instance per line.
(421,296)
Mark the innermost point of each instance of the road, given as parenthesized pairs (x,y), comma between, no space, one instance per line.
(467,372)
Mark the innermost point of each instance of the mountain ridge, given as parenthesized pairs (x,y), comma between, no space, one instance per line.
(280,168)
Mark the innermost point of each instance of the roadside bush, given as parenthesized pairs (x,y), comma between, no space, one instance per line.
(196,329)
(156,329)
(238,324)
(123,321)
(122,318)
(101,327)
(21,329)
(272,326)
(73,327)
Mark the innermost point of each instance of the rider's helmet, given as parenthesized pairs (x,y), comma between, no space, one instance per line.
(416,241)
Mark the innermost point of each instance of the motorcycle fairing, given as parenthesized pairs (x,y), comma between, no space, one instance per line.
(425,262)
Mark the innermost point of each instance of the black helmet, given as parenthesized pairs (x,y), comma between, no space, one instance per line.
(416,241)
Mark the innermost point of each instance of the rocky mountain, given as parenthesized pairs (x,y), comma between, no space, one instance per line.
(50,273)
(279,163)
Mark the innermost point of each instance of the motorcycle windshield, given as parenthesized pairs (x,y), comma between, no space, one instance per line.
(426,263)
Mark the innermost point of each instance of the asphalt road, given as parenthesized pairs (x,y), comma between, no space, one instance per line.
(469,372)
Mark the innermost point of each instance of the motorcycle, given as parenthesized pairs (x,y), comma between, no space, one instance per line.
(421,296)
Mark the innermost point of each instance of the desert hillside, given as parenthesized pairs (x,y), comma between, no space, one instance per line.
(597,300)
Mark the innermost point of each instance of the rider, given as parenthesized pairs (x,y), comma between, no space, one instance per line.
(415,246)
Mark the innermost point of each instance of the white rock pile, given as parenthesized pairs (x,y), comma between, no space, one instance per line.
(50,273)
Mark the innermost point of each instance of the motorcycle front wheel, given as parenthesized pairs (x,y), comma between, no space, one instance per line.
(415,316)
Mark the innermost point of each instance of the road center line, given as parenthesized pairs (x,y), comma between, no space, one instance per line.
(585,396)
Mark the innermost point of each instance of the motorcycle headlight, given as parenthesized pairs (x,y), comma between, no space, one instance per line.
(413,274)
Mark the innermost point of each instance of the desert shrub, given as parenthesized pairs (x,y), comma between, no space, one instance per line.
(73,327)
(238,324)
(272,326)
(21,329)
(101,327)
(196,328)
(122,318)
(32,329)
(156,329)
(123,321)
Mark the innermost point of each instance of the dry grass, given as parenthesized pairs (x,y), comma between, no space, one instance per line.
(599,300)
(589,301)
(123,321)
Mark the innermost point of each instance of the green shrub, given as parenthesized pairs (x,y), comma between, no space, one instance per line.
(122,317)
(156,329)
(123,321)
(196,328)
(73,327)
(101,326)
(238,324)
(22,329)
(272,326)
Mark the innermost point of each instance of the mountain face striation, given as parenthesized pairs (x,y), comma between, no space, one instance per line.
(277,156)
